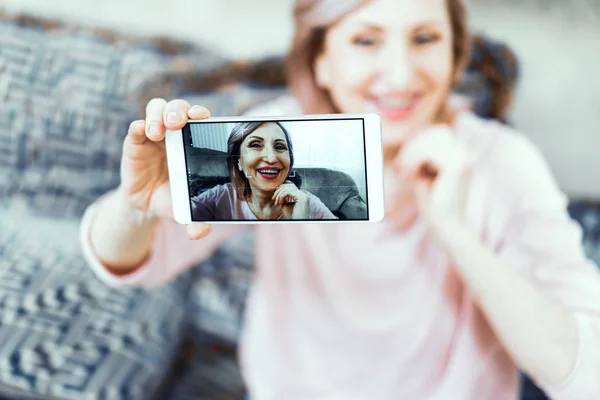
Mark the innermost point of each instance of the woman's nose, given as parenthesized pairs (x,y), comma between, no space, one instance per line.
(269,155)
(397,67)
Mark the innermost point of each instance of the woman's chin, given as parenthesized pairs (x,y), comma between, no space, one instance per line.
(393,142)
(269,186)
(396,133)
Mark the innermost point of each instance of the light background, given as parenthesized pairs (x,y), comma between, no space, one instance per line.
(333,144)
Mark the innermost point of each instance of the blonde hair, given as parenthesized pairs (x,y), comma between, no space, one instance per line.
(312,18)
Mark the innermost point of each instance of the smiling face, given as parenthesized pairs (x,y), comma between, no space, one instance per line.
(393,58)
(265,157)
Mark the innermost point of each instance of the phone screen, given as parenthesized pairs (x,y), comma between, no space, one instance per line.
(277,170)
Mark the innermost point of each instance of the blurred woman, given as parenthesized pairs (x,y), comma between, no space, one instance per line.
(476,271)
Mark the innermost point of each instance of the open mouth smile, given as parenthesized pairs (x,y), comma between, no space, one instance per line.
(268,173)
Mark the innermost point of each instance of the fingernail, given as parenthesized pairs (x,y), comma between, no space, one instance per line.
(154,129)
(173,117)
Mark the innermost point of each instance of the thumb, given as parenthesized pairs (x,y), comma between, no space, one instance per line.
(197,230)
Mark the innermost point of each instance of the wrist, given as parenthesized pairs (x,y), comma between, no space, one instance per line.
(129,208)
(462,248)
(121,234)
(303,198)
(456,236)
(300,210)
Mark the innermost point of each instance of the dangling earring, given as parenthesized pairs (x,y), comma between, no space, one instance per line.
(293,174)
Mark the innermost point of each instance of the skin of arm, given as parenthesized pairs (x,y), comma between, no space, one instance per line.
(540,333)
(121,234)
(541,336)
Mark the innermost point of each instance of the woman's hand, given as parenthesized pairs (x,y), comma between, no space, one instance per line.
(438,168)
(144,173)
(292,200)
(123,230)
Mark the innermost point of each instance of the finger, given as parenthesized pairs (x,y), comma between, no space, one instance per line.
(197,230)
(137,132)
(437,146)
(280,201)
(175,114)
(427,171)
(277,191)
(413,156)
(422,163)
(288,198)
(427,143)
(284,193)
(155,129)
(418,170)
(198,112)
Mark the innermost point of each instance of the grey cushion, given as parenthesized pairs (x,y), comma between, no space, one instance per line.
(206,162)
(220,286)
(587,215)
(66,335)
(68,98)
(336,189)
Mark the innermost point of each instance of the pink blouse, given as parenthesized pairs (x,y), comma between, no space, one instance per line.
(367,312)
(220,203)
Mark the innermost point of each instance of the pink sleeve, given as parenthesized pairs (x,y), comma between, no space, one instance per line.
(172,252)
(318,209)
(545,244)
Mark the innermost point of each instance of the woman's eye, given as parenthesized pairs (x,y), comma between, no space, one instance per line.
(254,145)
(364,41)
(280,147)
(425,38)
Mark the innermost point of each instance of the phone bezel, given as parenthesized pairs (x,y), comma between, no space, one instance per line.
(178,175)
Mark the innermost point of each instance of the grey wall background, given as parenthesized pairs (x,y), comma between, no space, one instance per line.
(557,41)
(558,101)
(210,136)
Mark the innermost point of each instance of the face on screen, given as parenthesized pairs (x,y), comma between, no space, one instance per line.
(286,170)
(265,158)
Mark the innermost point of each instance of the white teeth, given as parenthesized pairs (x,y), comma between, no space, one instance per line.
(269,171)
(395,103)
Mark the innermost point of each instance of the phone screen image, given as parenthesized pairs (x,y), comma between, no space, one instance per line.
(277,170)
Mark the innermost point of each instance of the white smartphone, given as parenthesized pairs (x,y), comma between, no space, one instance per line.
(315,168)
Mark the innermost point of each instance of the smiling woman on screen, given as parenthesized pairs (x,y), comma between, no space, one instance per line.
(260,158)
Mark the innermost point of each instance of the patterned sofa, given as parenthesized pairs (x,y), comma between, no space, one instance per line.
(68,97)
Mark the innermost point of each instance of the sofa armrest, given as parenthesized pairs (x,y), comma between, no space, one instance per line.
(352,208)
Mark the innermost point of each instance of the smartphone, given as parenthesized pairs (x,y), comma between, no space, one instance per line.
(309,169)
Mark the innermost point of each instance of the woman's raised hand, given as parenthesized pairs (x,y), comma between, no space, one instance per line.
(292,200)
(144,174)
